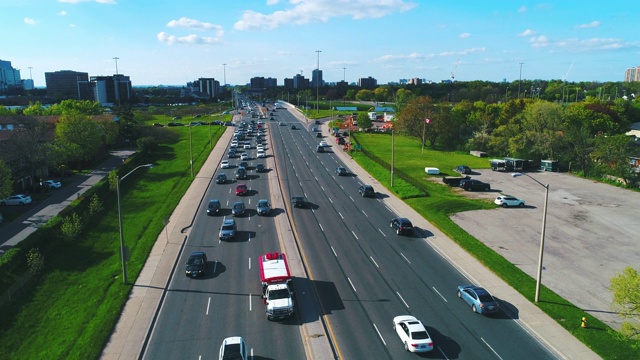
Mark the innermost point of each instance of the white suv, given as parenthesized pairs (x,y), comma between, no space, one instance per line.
(225,164)
(508,200)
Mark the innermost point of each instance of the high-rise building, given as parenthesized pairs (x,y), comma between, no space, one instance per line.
(111,90)
(632,74)
(368,82)
(67,84)
(9,78)
(316,78)
(260,82)
(299,82)
(209,86)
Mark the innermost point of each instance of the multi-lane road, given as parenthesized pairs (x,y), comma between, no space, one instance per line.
(363,273)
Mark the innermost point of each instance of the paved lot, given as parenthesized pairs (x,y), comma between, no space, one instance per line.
(592,233)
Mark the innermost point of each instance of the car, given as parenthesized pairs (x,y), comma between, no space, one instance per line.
(261,155)
(317,122)
(314,129)
(293,127)
(241,173)
(244,156)
(298,201)
(225,164)
(233,145)
(263,207)
(479,299)
(52,184)
(462,169)
(319,135)
(177,118)
(221,178)
(401,226)
(247,146)
(196,264)
(18,199)
(238,208)
(241,189)
(319,148)
(472,184)
(231,154)
(366,191)
(508,200)
(282,124)
(228,229)
(323,143)
(244,164)
(260,168)
(213,207)
(340,171)
(260,147)
(233,348)
(412,333)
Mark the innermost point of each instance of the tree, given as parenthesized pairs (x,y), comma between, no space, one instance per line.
(626,300)
(411,120)
(541,126)
(365,95)
(86,107)
(78,136)
(6,183)
(364,122)
(612,153)
(29,150)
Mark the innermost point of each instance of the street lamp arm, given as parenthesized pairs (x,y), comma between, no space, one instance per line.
(530,177)
(136,168)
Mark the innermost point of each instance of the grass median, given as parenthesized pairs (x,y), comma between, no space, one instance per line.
(436,203)
(77,300)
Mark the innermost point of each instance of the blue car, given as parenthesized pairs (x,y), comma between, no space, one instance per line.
(480,300)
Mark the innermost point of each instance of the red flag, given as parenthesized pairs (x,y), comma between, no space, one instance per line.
(427,121)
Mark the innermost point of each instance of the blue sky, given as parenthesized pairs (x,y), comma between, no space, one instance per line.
(171,42)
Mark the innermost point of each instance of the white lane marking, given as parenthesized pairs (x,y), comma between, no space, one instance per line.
(405,258)
(321,187)
(208,304)
(331,201)
(351,199)
(250,308)
(442,352)
(374,262)
(321,228)
(382,233)
(339,213)
(380,335)
(354,288)
(341,187)
(334,251)
(249,263)
(252,353)
(405,303)
(365,214)
(354,235)
(489,346)
(317,180)
(438,292)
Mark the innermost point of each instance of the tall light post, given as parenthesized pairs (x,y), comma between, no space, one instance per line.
(225,74)
(392,149)
(520,80)
(117,94)
(344,74)
(544,226)
(318,83)
(122,248)
(191,149)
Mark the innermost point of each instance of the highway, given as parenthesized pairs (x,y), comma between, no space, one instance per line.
(365,274)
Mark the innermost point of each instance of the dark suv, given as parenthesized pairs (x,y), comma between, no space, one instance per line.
(401,226)
(221,179)
(462,169)
(213,207)
(366,190)
(197,264)
(471,185)
(241,173)
(298,201)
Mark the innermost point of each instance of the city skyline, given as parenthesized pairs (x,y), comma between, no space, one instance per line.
(172,42)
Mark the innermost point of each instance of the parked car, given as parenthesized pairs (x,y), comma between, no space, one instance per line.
(340,171)
(221,179)
(462,169)
(233,348)
(472,184)
(298,201)
(401,226)
(18,199)
(479,299)
(366,191)
(454,181)
(508,200)
(238,208)
(263,207)
(241,190)
(228,230)
(412,333)
(196,264)
(213,207)
(52,184)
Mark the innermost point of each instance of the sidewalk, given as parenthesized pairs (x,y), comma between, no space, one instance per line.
(534,320)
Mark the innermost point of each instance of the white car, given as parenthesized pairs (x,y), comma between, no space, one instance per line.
(260,147)
(247,146)
(261,154)
(19,199)
(233,145)
(323,143)
(225,164)
(412,333)
(53,184)
(233,348)
(508,200)
(244,156)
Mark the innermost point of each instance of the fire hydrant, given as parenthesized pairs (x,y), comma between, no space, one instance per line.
(584,322)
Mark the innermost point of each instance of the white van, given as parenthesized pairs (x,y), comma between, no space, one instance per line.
(432,170)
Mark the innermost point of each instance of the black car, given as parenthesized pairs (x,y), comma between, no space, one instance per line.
(241,173)
(231,154)
(221,179)
(243,164)
(298,201)
(197,264)
(263,207)
(472,184)
(260,168)
(293,127)
(462,169)
(319,135)
(317,122)
(238,208)
(366,191)
(401,226)
(340,171)
(213,207)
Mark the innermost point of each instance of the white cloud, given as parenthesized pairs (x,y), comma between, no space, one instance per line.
(62,13)
(81,1)
(464,35)
(187,23)
(29,21)
(539,41)
(191,39)
(272,2)
(592,24)
(307,11)
(416,56)
(528,32)
(72,25)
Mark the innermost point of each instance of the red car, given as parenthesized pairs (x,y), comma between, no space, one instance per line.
(241,189)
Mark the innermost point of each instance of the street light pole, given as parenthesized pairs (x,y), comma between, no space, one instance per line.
(191,150)
(392,148)
(122,248)
(520,80)
(318,83)
(542,233)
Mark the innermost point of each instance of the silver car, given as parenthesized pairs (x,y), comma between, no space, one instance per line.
(18,199)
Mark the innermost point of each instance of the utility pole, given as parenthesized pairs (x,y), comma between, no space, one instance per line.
(117,93)
(520,80)
(344,74)
(225,74)
(318,82)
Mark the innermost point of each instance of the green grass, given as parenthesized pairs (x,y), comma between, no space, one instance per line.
(441,203)
(77,301)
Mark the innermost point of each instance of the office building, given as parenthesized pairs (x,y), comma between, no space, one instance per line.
(111,90)
(632,74)
(316,76)
(67,84)
(9,79)
(368,82)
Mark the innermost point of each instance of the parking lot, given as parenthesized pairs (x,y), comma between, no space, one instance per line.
(591,233)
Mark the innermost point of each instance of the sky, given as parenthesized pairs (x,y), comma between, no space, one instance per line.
(171,42)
